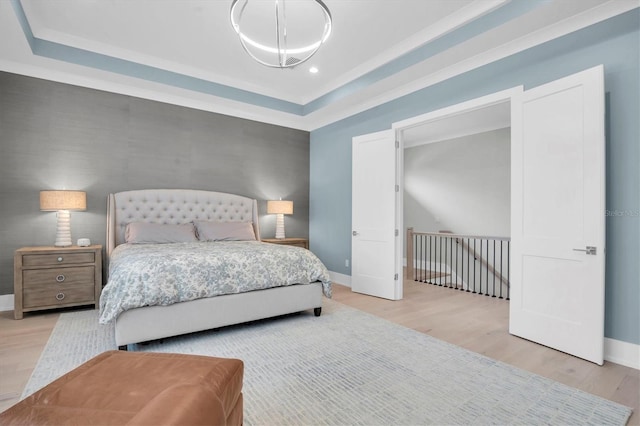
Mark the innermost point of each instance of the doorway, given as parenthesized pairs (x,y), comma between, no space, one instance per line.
(557,200)
(457,206)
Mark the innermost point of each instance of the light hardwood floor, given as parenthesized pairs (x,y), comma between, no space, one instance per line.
(477,323)
(21,343)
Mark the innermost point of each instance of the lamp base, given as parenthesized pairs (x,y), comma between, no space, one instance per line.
(280,226)
(63,230)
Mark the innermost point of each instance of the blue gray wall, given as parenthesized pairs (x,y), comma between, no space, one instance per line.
(58,136)
(614,43)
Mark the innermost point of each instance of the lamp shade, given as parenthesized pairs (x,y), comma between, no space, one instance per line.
(280,207)
(63,200)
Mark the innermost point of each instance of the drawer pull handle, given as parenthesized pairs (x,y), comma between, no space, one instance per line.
(60,296)
(60,278)
(60,259)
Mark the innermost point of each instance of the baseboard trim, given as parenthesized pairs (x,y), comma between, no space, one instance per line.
(623,353)
(340,278)
(6,302)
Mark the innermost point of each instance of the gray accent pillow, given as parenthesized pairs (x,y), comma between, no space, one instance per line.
(224,231)
(149,233)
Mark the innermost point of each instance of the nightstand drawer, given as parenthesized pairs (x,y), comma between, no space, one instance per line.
(47,277)
(52,295)
(30,260)
(34,279)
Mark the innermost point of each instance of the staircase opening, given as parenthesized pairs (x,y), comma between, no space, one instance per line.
(471,263)
(456,195)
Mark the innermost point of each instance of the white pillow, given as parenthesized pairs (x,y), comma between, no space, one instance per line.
(149,233)
(224,231)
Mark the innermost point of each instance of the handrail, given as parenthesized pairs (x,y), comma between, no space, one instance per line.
(451,234)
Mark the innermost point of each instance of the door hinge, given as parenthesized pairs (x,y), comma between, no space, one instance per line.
(395,277)
(397,144)
(397,188)
(397,233)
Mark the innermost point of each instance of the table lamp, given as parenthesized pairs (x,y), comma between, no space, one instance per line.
(62,202)
(280,208)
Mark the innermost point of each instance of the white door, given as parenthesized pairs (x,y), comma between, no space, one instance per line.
(557,215)
(373,245)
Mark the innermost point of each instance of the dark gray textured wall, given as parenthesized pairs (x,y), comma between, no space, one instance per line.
(58,136)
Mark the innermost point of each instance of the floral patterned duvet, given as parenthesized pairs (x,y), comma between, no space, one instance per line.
(163,274)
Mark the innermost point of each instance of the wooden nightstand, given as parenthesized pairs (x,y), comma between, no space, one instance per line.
(298,242)
(56,277)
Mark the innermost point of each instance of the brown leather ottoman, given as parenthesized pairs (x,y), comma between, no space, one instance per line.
(138,388)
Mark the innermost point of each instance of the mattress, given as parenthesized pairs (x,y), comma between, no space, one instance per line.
(163,274)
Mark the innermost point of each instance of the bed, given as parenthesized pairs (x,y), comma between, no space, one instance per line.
(132,216)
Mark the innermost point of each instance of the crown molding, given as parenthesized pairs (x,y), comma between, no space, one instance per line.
(400,84)
(368,98)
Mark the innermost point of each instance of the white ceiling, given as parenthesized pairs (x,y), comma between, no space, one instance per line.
(378,50)
(497,116)
(195,37)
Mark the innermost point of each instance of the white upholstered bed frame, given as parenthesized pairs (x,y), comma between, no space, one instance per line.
(176,206)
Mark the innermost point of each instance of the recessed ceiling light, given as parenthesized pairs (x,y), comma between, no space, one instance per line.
(313,70)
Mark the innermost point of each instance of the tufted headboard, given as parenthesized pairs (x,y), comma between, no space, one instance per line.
(175,206)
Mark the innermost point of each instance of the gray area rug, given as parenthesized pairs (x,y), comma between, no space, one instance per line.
(349,367)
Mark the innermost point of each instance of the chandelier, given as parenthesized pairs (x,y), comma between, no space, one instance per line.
(279,33)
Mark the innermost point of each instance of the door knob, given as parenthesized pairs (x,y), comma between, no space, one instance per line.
(354,233)
(587,250)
